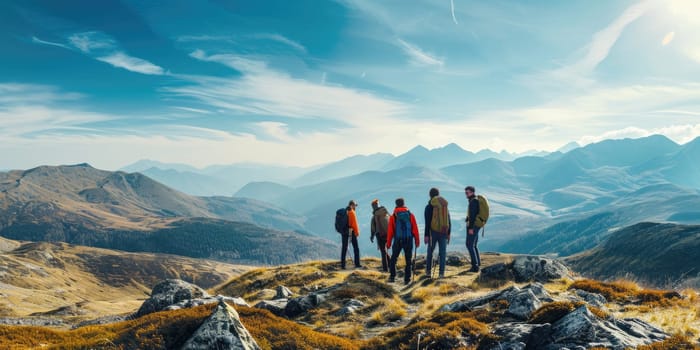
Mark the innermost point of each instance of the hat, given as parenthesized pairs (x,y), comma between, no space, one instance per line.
(375,204)
(352,202)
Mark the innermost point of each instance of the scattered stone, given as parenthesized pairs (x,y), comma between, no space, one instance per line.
(538,268)
(523,304)
(300,305)
(455,259)
(31,321)
(539,291)
(514,336)
(351,306)
(283,292)
(275,306)
(222,330)
(496,272)
(593,299)
(169,292)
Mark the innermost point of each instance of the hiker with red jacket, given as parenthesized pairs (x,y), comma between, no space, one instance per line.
(402,232)
(350,235)
(380,226)
(472,229)
(437,231)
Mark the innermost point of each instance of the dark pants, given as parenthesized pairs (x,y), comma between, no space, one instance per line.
(355,250)
(440,240)
(472,240)
(381,245)
(396,249)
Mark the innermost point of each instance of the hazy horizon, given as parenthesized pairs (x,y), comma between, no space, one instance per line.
(306,83)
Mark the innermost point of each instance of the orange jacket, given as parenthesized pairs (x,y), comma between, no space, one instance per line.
(392,225)
(352,222)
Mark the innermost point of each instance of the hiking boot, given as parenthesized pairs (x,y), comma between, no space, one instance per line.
(391,279)
(406,282)
(474,269)
(441,277)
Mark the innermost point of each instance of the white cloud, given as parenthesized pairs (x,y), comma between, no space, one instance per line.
(281,39)
(105,49)
(88,42)
(678,133)
(418,56)
(44,42)
(267,92)
(134,64)
(452,10)
(193,110)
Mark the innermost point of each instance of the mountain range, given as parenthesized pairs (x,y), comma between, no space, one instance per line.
(129,211)
(227,180)
(630,180)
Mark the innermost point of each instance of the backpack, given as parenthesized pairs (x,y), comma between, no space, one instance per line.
(381,222)
(341,221)
(403,231)
(483,216)
(440,222)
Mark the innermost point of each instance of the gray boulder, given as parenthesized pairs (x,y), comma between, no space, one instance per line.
(301,305)
(593,299)
(222,330)
(581,328)
(282,292)
(276,306)
(496,272)
(169,292)
(514,336)
(351,306)
(471,304)
(539,291)
(538,268)
(523,304)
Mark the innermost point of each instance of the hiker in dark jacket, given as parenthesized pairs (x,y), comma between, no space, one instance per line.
(436,215)
(380,226)
(472,229)
(400,220)
(350,236)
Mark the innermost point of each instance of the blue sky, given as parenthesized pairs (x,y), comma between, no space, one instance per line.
(310,81)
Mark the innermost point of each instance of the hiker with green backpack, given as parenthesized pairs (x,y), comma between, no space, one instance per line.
(437,231)
(402,232)
(477,215)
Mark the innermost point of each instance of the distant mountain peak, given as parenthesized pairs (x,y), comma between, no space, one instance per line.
(569,147)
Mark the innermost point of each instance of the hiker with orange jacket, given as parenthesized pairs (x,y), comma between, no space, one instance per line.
(403,232)
(351,236)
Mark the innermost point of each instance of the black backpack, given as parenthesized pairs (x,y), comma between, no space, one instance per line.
(341,221)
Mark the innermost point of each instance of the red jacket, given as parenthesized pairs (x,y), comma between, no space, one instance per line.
(392,225)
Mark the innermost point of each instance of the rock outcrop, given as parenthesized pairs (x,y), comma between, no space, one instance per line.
(222,330)
(526,268)
(578,329)
(169,292)
(522,302)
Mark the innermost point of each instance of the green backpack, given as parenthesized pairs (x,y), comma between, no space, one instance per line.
(483,216)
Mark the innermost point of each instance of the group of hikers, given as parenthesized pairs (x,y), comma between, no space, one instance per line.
(399,232)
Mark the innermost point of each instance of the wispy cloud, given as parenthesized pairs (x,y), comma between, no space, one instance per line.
(193,110)
(265,91)
(28,108)
(102,47)
(88,42)
(418,56)
(134,64)
(44,42)
(599,47)
(452,9)
(281,39)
